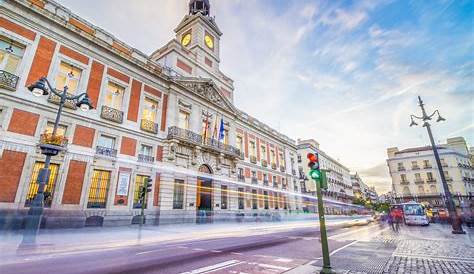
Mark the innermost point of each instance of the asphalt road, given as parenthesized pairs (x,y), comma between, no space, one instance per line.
(268,252)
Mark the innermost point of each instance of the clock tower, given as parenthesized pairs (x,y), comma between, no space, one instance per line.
(198,32)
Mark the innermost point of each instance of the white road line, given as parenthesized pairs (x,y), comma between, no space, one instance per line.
(274,266)
(341,248)
(236,253)
(283,260)
(215,251)
(198,249)
(214,267)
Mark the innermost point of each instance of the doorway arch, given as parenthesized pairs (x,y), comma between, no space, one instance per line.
(204,196)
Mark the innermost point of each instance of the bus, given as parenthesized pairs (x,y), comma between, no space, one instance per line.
(415,214)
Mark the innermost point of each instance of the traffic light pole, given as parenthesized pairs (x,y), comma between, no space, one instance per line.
(322,227)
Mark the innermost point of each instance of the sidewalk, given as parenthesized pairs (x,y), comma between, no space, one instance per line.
(92,238)
(414,249)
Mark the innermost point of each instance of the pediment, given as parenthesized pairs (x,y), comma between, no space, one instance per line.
(207,89)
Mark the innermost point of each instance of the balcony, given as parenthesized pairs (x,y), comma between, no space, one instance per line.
(401,169)
(253,159)
(274,166)
(264,163)
(431,180)
(427,166)
(404,182)
(112,114)
(449,179)
(419,182)
(444,165)
(195,139)
(53,98)
(149,126)
(145,158)
(293,172)
(415,167)
(254,180)
(106,151)
(265,182)
(8,81)
(282,169)
(240,177)
(275,185)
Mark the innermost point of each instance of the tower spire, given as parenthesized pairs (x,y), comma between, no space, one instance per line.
(201,6)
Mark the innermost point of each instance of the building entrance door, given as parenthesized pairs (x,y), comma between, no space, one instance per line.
(204,198)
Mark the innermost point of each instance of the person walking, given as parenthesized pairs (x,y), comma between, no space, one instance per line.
(397,216)
(390,220)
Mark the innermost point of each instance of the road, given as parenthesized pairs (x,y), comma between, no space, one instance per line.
(263,250)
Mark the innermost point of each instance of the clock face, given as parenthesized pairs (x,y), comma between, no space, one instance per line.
(186,39)
(209,41)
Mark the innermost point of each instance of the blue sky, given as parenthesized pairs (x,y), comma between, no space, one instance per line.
(345,73)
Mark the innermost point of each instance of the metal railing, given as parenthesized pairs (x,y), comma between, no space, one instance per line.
(404,182)
(419,182)
(253,159)
(264,163)
(431,180)
(415,167)
(196,139)
(55,99)
(241,178)
(293,172)
(282,168)
(8,80)
(106,151)
(146,158)
(112,114)
(149,126)
(427,166)
(401,169)
(265,182)
(254,180)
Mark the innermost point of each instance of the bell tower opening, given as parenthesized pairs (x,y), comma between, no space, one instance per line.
(201,6)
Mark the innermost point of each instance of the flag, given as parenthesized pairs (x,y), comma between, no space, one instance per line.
(221,130)
(206,125)
(214,132)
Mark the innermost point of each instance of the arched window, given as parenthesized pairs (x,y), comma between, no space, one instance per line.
(205,169)
(421,190)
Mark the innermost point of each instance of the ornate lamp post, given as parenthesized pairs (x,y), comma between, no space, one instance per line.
(455,220)
(50,145)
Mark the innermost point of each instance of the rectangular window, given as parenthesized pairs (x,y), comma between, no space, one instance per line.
(254,174)
(414,165)
(241,198)
(403,177)
(263,153)
(239,143)
(417,177)
(139,179)
(265,195)
(429,176)
(254,199)
(60,131)
(146,150)
(49,190)
(114,96)
(178,194)
(11,54)
(97,197)
(223,197)
(106,142)
(150,110)
(272,156)
(68,75)
(183,117)
(252,149)
(282,160)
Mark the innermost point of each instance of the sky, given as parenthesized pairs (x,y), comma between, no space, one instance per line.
(345,73)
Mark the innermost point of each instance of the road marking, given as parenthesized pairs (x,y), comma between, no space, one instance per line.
(350,232)
(274,266)
(283,260)
(149,251)
(215,251)
(236,253)
(341,248)
(198,249)
(214,267)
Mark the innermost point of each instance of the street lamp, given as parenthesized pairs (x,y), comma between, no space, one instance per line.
(48,148)
(455,220)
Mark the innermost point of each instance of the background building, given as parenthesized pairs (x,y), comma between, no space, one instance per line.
(415,175)
(339,179)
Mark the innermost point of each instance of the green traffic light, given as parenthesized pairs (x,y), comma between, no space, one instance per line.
(315,174)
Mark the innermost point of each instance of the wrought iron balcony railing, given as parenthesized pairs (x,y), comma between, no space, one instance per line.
(427,166)
(265,182)
(415,167)
(106,151)
(274,166)
(282,168)
(275,185)
(254,180)
(253,159)
(112,114)
(264,163)
(145,158)
(53,98)
(419,182)
(431,180)
(404,182)
(149,126)
(401,169)
(8,80)
(196,139)
(57,140)
(293,172)
(449,179)
(241,178)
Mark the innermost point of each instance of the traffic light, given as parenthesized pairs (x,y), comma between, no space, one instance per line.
(314,171)
(146,187)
